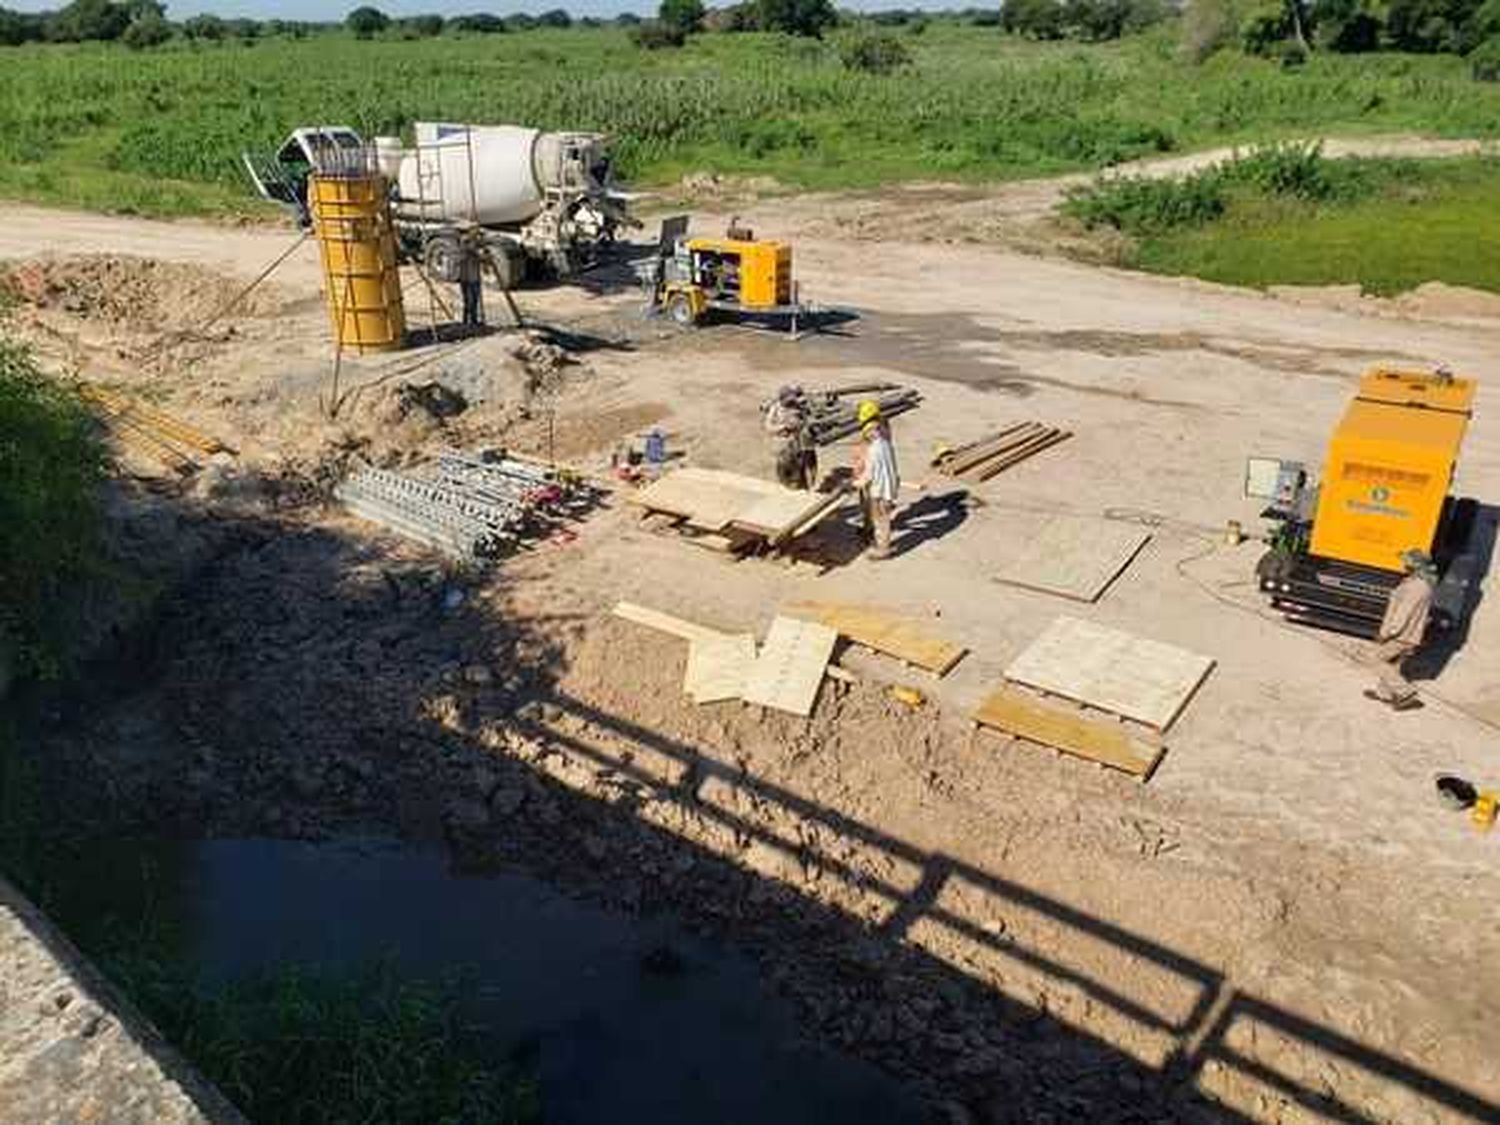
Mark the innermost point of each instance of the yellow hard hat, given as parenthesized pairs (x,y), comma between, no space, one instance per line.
(869,410)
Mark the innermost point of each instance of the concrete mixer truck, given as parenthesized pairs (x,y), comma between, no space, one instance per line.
(546,202)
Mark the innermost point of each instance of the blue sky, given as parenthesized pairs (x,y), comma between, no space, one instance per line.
(336,9)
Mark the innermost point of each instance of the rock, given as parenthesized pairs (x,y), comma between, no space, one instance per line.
(595,848)
(486,781)
(466,815)
(506,800)
(478,675)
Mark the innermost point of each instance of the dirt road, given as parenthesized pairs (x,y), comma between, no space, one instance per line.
(1284,910)
(1019,214)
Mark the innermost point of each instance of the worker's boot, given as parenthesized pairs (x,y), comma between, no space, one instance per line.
(1402,703)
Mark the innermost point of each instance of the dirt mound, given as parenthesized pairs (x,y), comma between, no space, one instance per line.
(139,293)
(1435,299)
(1432,300)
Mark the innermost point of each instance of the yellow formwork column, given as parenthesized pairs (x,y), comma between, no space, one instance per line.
(352,220)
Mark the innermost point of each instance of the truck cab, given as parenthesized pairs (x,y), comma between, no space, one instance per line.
(282,177)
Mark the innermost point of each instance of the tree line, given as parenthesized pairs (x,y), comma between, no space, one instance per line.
(1288,29)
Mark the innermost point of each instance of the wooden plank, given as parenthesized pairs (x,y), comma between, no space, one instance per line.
(1008,440)
(1014,455)
(1115,671)
(718,666)
(885,632)
(985,472)
(940,461)
(1105,742)
(654,619)
(789,670)
(811,520)
(1075,557)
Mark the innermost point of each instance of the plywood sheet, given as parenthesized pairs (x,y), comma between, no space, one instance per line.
(772,513)
(787,673)
(712,500)
(1105,742)
(1075,557)
(1112,670)
(703,501)
(717,667)
(885,631)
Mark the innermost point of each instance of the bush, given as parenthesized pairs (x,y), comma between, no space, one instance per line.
(85,20)
(555,17)
(1484,61)
(20,27)
(653,35)
(1142,207)
(1429,25)
(1209,26)
(1265,28)
(424,27)
(685,15)
(1036,19)
(366,22)
(1482,26)
(149,30)
(50,468)
(204,27)
(795,17)
(1346,26)
(481,23)
(875,53)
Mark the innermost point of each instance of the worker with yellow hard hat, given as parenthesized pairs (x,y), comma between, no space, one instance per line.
(876,476)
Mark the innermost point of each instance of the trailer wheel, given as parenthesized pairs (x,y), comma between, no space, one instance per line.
(680,309)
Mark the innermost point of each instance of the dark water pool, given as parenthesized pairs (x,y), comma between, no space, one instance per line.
(621,1031)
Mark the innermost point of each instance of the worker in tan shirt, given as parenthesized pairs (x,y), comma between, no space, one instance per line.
(1401,632)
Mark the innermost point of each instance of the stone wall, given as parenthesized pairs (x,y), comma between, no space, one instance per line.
(72,1049)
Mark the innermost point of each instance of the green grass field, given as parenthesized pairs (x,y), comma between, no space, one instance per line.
(1435,222)
(160,132)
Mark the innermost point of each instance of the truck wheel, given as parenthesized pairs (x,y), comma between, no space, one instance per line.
(680,309)
(441,257)
(509,265)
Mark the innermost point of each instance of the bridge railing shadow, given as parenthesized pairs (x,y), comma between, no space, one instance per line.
(1169,1012)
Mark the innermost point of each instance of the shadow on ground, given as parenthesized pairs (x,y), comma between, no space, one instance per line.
(311,680)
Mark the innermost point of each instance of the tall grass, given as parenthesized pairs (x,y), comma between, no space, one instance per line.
(51,464)
(163,130)
(299,1046)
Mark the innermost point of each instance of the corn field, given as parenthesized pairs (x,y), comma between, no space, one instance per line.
(161,131)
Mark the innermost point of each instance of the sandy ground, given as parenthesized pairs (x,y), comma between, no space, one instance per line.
(1285,910)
